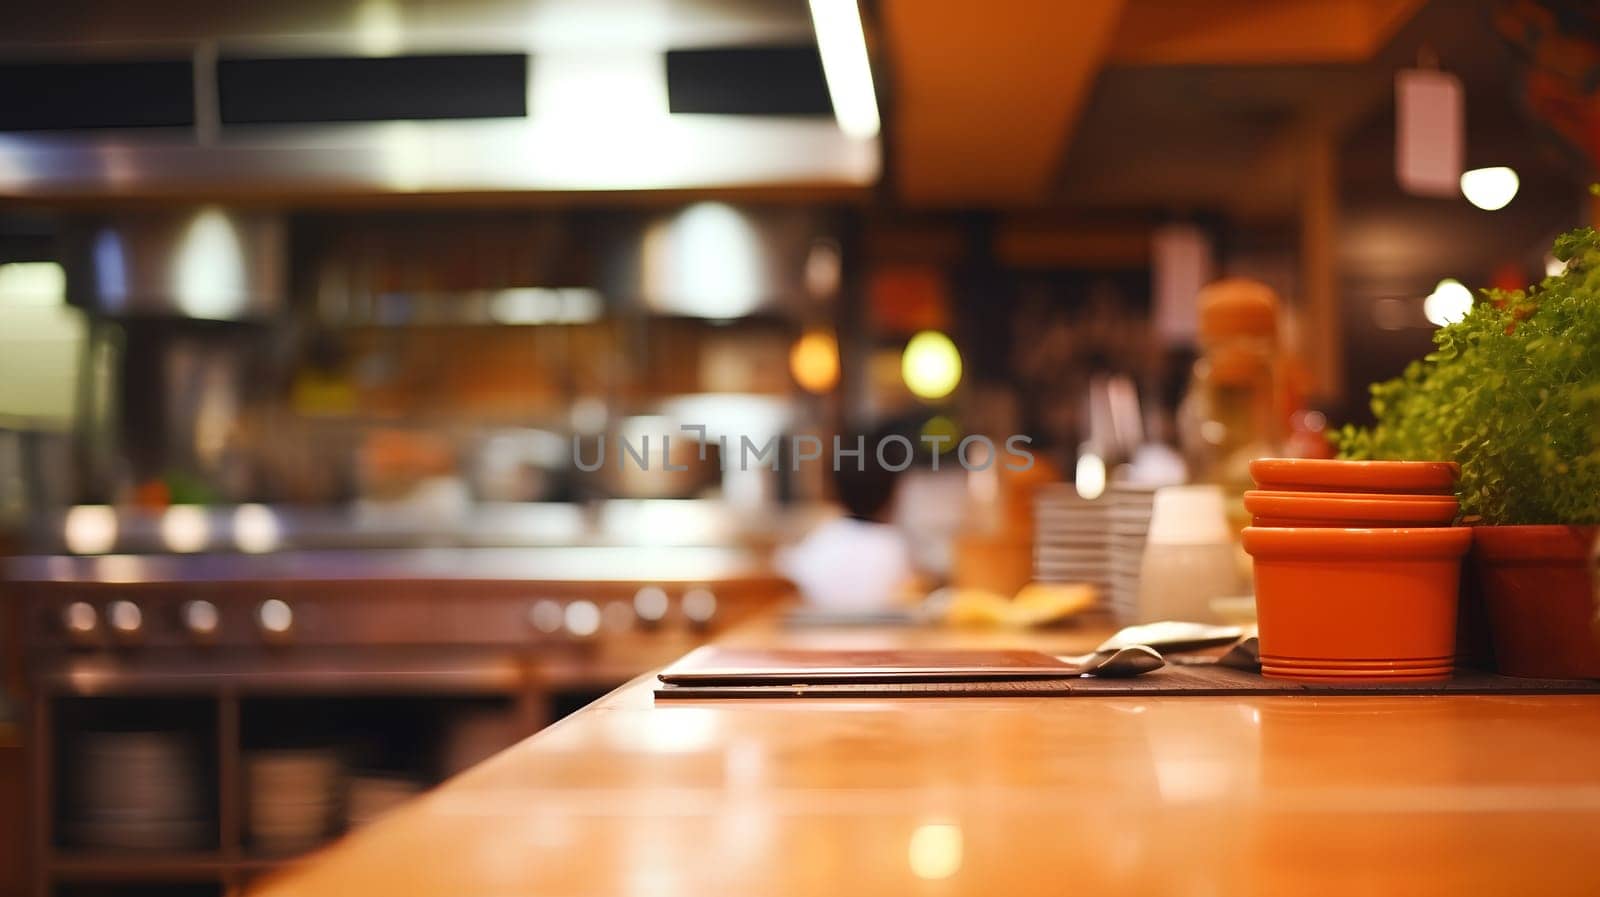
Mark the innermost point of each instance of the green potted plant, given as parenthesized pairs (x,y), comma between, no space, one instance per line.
(1512,393)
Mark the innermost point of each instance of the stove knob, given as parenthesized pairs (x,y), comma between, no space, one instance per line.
(581,619)
(650,605)
(201,619)
(547,616)
(699,607)
(127,621)
(617,616)
(276,619)
(80,621)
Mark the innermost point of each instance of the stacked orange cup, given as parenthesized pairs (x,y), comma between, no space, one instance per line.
(1357,568)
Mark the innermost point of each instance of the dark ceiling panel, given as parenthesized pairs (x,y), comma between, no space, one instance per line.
(85,95)
(287,91)
(1193,137)
(748,81)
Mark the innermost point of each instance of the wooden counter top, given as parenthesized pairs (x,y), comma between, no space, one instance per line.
(1115,796)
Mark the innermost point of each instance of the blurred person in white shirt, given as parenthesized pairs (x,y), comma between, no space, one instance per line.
(857,562)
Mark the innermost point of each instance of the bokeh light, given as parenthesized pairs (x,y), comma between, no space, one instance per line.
(934,851)
(1090,476)
(1490,188)
(1448,303)
(814,361)
(255,529)
(90,529)
(185,528)
(931,365)
(942,434)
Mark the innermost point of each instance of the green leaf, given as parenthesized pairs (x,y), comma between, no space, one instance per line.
(1512,392)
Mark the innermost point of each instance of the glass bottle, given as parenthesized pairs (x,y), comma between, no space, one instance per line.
(1233,411)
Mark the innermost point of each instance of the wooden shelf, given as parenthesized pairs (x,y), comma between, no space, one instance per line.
(115,866)
(71,865)
(263,862)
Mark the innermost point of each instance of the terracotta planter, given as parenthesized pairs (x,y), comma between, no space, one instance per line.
(1349,509)
(1539,595)
(1388,477)
(1474,647)
(1341,605)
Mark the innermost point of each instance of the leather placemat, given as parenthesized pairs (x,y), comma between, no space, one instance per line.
(1172,680)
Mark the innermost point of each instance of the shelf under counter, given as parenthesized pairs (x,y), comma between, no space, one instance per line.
(468,634)
(112,866)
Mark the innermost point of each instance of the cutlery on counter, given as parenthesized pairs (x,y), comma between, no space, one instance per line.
(1117,663)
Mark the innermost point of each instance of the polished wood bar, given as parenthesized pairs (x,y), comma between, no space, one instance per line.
(1172,796)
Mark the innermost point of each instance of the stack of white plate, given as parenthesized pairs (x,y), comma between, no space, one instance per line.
(293,797)
(1129,519)
(374,794)
(136,791)
(1069,537)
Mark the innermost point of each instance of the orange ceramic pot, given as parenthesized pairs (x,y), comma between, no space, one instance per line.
(1537,591)
(1342,605)
(1324,475)
(1349,509)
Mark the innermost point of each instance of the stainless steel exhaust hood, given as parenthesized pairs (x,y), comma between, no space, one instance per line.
(294,100)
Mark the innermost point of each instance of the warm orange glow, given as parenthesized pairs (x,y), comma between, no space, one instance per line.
(814,361)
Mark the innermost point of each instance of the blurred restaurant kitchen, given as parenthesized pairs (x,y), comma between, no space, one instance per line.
(383,380)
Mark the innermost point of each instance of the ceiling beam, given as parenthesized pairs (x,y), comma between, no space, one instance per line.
(1022,244)
(1280,166)
(1255,32)
(1319,270)
(986,94)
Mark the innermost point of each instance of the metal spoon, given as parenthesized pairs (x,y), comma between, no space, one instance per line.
(1118,663)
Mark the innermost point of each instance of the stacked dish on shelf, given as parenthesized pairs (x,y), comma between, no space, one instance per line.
(372,795)
(1357,568)
(136,791)
(1070,537)
(1129,518)
(293,797)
